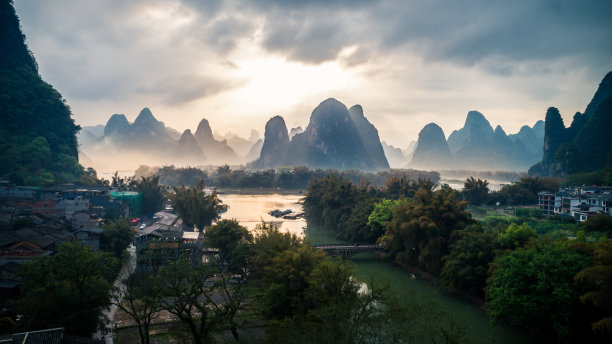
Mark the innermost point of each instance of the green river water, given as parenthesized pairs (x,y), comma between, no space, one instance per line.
(249,209)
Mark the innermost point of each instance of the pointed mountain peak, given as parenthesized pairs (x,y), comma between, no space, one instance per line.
(204,132)
(186,133)
(145,116)
(118,123)
(603,91)
(500,131)
(356,110)
(475,117)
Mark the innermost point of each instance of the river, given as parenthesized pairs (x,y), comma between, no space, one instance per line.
(250,209)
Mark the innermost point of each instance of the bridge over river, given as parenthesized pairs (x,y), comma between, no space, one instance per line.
(347,250)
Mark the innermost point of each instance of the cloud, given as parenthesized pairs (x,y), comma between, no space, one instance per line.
(185,88)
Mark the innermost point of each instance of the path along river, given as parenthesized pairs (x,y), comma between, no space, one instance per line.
(250,209)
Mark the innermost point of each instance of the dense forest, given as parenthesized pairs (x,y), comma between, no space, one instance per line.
(38,143)
(549,276)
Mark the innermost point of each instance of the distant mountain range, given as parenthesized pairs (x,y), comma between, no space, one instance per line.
(149,141)
(583,146)
(343,138)
(336,137)
(477,146)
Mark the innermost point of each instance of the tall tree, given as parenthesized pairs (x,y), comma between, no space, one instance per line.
(116,237)
(421,231)
(476,191)
(69,289)
(152,194)
(135,295)
(194,206)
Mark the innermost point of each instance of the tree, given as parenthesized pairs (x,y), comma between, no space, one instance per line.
(201,296)
(421,231)
(116,237)
(466,266)
(69,289)
(232,240)
(267,243)
(194,206)
(476,191)
(380,217)
(534,288)
(516,236)
(135,295)
(180,287)
(597,278)
(152,194)
(600,223)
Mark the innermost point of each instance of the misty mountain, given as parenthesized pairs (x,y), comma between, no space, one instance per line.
(334,138)
(218,152)
(370,138)
(295,131)
(432,151)
(275,145)
(38,143)
(475,132)
(149,141)
(255,151)
(394,155)
(408,152)
(189,149)
(532,138)
(585,145)
(476,146)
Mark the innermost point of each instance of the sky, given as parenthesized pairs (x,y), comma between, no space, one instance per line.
(239,63)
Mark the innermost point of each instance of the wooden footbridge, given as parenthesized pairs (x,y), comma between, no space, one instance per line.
(346,250)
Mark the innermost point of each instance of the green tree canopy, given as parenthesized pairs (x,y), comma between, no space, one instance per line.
(116,237)
(516,236)
(194,206)
(232,240)
(421,231)
(69,289)
(534,288)
(466,266)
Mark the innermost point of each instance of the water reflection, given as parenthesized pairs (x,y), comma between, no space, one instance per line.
(250,210)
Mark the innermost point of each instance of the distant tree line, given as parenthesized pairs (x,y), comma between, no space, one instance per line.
(284,177)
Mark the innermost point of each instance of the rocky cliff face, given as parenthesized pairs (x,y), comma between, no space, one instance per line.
(395,156)
(603,91)
(585,144)
(38,143)
(331,140)
(369,135)
(276,142)
(475,132)
(431,150)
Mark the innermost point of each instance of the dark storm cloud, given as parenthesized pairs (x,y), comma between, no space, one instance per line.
(461,32)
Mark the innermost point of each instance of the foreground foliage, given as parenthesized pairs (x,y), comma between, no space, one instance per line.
(69,289)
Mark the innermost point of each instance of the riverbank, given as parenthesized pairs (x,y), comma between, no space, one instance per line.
(413,284)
